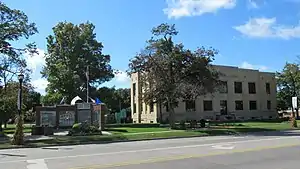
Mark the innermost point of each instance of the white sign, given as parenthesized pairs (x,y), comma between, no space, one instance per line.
(294,102)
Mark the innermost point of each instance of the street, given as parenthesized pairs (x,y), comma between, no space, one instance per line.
(276,150)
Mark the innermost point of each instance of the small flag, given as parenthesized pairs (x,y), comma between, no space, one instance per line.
(98,101)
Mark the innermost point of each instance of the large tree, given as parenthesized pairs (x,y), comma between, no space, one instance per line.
(14,25)
(115,99)
(288,85)
(69,51)
(170,72)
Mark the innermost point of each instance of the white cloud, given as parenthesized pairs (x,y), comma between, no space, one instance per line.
(252,4)
(40,85)
(268,28)
(35,61)
(122,77)
(247,65)
(182,8)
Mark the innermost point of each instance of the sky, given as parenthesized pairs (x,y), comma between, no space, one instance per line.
(255,34)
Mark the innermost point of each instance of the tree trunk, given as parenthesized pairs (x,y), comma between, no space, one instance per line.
(1,129)
(160,113)
(171,116)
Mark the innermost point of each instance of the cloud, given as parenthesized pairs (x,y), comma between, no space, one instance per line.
(268,28)
(247,65)
(252,4)
(182,8)
(40,85)
(122,77)
(36,61)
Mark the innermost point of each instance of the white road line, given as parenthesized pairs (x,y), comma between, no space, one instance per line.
(37,164)
(158,149)
(223,147)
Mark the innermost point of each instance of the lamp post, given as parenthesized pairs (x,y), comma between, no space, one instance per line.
(21,78)
(18,138)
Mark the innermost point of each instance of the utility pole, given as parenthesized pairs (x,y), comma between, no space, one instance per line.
(87,84)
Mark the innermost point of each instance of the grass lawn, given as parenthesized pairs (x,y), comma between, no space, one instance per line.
(123,133)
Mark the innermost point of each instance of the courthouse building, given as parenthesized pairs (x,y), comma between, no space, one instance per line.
(247,94)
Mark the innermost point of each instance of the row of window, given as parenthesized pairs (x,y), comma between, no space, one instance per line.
(208,105)
(238,87)
(142,107)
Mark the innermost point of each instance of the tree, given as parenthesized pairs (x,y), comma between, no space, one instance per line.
(69,51)
(170,72)
(288,84)
(115,99)
(14,25)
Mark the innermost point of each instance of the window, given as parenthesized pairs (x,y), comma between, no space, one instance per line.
(223,107)
(251,88)
(238,87)
(268,104)
(151,107)
(134,108)
(190,105)
(207,105)
(239,105)
(223,87)
(268,90)
(134,89)
(142,107)
(167,107)
(252,105)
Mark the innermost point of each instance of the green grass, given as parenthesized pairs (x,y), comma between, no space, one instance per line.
(130,133)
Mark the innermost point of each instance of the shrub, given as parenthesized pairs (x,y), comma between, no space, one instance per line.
(84,129)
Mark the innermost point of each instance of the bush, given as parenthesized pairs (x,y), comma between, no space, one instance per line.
(134,125)
(84,129)
(182,125)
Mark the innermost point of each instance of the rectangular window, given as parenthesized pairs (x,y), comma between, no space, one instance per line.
(134,107)
(238,87)
(251,88)
(223,88)
(167,107)
(134,89)
(151,107)
(190,105)
(268,89)
(207,105)
(239,105)
(252,105)
(268,104)
(223,107)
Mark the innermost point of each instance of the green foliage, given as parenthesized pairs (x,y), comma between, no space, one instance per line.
(69,51)
(171,72)
(14,26)
(84,129)
(288,85)
(115,99)
(18,138)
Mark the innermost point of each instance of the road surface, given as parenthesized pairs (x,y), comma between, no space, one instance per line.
(278,150)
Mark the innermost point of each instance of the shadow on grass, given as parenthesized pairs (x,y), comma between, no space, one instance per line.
(252,131)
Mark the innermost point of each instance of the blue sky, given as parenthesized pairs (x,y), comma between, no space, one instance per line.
(257,34)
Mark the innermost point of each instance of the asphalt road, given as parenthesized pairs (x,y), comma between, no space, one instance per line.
(278,150)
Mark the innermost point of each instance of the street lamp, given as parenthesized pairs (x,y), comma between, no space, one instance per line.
(21,78)
(18,135)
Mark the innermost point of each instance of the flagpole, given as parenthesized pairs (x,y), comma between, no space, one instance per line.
(87,84)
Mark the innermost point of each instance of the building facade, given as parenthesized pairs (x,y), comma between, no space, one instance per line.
(246,94)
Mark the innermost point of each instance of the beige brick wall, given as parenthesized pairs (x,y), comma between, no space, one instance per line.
(142,112)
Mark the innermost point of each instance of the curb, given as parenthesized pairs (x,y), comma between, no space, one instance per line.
(133,140)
